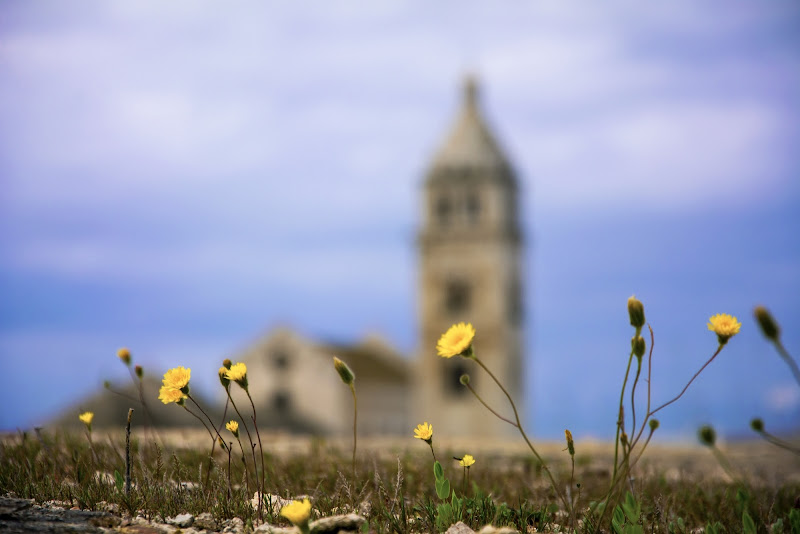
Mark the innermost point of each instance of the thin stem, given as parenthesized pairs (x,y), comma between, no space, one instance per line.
(246,477)
(201,420)
(355,425)
(250,440)
(789,360)
(430,443)
(621,413)
(778,442)
(261,449)
(633,393)
(509,421)
(649,375)
(230,446)
(689,383)
(571,500)
(522,432)
(622,474)
(726,465)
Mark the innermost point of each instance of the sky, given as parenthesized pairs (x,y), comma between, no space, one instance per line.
(180,178)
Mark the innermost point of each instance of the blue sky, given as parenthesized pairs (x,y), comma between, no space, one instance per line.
(179,178)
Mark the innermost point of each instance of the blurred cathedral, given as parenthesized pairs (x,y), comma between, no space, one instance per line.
(470,248)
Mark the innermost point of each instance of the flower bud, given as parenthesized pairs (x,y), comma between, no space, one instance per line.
(570,442)
(345,373)
(623,438)
(769,327)
(636,312)
(654,424)
(464,379)
(124,355)
(707,435)
(139,371)
(226,363)
(638,346)
(757,424)
(222,378)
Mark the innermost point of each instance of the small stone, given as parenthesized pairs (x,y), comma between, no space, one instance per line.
(336,523)
(459,528)
(489,529)
(205,521)
(181,520)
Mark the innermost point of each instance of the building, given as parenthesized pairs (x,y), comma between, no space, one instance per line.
(470,249)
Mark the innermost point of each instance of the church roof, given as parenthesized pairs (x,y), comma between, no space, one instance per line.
(470,143)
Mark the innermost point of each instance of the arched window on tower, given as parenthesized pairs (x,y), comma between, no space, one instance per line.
(473,206)
(444,211)
(457,297)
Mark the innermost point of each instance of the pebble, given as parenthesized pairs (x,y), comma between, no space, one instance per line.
(181,520)
(459,528)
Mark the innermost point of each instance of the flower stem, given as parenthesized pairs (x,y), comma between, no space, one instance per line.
(252,447)
(522,432)
(509,421)
(355,425)
(789,360)
(621,416)
(261,449)
(688,383)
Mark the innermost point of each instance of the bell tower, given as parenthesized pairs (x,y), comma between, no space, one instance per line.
(470,248)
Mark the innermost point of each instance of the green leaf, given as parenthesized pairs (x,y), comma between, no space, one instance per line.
(777,527)
(794,519)
(443,488)
(118,480)
(748,525)
(438,472)
(631,508)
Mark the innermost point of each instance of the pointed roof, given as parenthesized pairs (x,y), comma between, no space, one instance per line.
(470,143)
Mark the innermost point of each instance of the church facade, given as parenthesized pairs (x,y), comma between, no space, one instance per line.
(469,253)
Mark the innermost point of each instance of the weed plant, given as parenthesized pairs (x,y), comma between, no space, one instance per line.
(408,493)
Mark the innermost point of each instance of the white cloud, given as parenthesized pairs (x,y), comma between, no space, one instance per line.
(783,398)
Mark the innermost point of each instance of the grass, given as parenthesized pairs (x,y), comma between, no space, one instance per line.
(393,490)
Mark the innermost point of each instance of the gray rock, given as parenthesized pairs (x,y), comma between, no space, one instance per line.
(459,528)
(181,520)
(205,521)
(336,523)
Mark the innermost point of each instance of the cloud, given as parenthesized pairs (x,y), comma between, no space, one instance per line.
(783,398)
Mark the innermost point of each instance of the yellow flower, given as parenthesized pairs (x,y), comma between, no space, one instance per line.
(297,512)
(466,461)
(124,355)
(168,395)
(177,378)
(725,326)
(233,426)
(237,373)
(456,341)
(86,418)
(424,431)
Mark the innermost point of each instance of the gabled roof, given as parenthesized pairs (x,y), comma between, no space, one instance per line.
(470,143)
